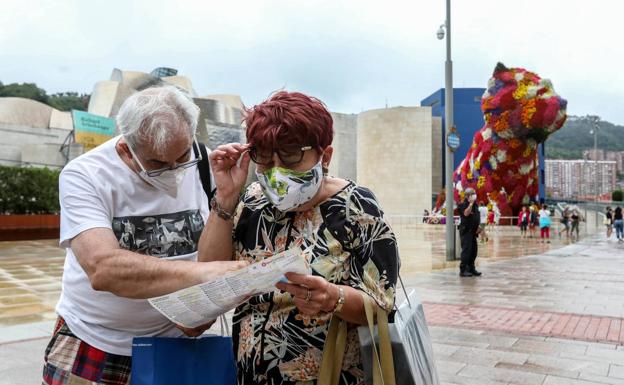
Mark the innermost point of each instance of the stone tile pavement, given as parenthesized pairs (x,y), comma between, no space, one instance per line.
(581,280)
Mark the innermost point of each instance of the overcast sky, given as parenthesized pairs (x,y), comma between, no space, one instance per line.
(354,55)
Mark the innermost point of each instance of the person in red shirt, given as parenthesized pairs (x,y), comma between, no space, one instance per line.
(523,221)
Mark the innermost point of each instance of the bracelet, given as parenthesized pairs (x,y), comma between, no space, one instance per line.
(341,301)
(214,206)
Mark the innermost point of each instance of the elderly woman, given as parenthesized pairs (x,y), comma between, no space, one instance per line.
(279,336)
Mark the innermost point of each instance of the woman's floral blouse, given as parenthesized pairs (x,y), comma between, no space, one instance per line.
(348,242)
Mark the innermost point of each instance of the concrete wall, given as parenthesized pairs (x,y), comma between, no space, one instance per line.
(394,157)
(344,160)
(437,164)
(218,123)
(14,139)
(43,154)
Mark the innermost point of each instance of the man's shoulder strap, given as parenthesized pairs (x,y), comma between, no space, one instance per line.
(204,169)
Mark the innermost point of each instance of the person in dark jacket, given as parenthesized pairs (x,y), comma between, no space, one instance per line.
(468,231)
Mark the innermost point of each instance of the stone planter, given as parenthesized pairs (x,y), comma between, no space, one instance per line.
(26,227)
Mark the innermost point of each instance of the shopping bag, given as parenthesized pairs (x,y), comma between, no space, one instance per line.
(208,360)
(412,351)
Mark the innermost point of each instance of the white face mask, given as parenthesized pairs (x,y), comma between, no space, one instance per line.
(287,189)
(167,182)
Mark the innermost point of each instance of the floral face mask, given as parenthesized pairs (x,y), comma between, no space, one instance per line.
(288,189)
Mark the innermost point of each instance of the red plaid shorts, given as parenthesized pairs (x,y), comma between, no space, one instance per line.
(71,361)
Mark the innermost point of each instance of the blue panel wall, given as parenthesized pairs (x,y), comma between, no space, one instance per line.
(468,119)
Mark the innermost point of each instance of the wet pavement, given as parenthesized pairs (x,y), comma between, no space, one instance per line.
(486,330)
(30,280)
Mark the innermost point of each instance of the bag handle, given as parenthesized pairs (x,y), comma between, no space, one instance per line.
(333,352)
(335,344)
(204,169)
(383,362)
(225,328)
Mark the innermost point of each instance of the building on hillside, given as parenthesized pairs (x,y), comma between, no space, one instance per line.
(579,178)
(616,156)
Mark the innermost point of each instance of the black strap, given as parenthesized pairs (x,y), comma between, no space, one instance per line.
(204,170)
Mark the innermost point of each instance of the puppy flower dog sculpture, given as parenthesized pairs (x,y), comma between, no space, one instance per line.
(521,110)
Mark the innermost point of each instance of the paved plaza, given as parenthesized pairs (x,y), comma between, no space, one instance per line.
(542,313)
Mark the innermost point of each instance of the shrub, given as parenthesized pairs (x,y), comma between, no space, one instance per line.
(28,190)
(617,196)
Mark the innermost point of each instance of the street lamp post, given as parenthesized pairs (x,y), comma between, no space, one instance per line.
(594,131)
(448,117)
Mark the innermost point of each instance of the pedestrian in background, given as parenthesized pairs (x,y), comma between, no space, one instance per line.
(491,217)
(544,224)
(608,221)
(523,221)
(483,215)
(618,224)
(533,220)
(565,221)
(575,220)
(468,230)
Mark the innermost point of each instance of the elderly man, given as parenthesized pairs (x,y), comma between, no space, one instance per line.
(132,212)
(468,231)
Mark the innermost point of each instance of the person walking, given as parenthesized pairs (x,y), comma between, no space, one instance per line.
(533,220)
(544,224)
(490,218)
(618,224)
(523,221)
(608,221)
(575,220)
(483,215)
(468,230)
(565,221)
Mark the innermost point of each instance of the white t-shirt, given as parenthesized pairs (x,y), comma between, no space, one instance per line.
(544,213)
(98,189)
(483,213)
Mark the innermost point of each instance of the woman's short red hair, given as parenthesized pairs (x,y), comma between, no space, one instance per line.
(289,119)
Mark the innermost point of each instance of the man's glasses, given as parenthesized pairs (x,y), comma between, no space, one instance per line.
(160,171)
(289,156)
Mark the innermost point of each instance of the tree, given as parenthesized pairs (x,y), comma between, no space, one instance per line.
(63,101)
(617,196)
(67,101)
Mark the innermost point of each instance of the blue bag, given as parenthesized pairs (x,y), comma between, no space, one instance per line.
(208,360)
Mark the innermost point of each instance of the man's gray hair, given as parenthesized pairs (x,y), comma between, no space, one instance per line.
(469,191)
(155,114)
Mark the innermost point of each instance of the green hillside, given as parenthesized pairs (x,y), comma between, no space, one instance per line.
(575,137)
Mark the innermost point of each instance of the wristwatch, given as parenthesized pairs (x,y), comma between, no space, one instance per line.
(214,206)
(341,301)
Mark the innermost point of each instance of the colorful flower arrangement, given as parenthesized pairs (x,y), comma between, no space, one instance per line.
(521,110)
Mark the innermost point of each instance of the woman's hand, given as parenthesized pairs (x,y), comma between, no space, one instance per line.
(312,294)
(229,174)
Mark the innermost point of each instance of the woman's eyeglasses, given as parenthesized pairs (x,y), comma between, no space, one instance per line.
(289,156)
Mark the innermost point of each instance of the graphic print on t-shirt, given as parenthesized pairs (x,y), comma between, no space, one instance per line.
(162,236)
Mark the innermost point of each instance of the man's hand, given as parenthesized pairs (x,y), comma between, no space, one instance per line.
(208,271)
(196,331)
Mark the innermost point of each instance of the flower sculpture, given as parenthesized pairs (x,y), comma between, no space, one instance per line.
(521,110)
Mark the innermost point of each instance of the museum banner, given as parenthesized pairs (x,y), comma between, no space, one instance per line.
(92,130)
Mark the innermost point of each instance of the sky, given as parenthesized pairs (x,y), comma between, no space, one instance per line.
(353,55)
